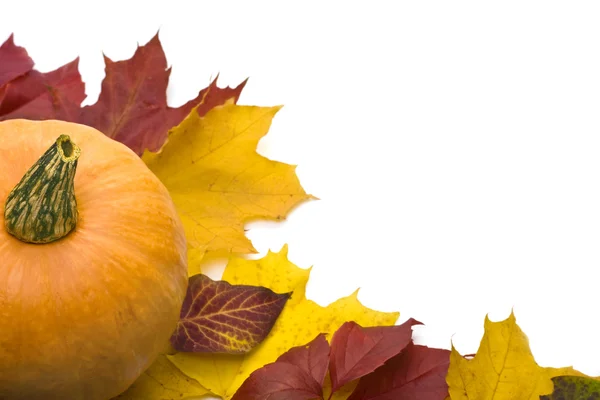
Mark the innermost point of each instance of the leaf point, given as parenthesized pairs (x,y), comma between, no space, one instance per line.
(10,40)
(413,322)
(152,39)
(487,319)
(284,250)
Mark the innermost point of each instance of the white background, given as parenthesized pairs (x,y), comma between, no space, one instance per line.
(455,145)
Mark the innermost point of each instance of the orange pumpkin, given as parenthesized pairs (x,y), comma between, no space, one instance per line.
(92,270)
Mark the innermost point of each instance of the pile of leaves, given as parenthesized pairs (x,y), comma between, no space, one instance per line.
(254,334)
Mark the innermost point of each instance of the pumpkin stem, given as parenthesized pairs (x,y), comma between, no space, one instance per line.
(42,207)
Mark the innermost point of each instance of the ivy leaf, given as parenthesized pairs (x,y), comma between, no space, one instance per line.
(312,358)
(417,373)
(296,375)
(502,369)
(574,388)
(217,179)
(132,106)
(217,317)
(40,96)
(300,322)
(358,351)
(411,373)
(14,61)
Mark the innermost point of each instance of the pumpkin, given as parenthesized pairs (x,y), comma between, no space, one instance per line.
(93,268)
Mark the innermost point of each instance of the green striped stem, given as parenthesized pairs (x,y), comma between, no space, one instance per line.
(42,207)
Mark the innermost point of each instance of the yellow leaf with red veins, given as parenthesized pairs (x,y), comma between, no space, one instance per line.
(502,369)
(300,322)
(218,181)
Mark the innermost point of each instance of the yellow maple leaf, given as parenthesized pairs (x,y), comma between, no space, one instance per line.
(218,181)
(299,323)
(502,369)
(163,381)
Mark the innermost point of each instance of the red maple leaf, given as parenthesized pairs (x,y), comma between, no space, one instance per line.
(132,106)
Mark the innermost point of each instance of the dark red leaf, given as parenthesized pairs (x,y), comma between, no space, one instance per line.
(279,381)
(14,61)
(40,96)
(217,317)
(312,358)
(132,106)
(296,375)
(358,351)
(417,373)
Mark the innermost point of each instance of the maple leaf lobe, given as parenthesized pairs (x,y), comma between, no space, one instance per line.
(217,179)
(132,106)
(217,317)
(14,61)
(132,95)
(41,96)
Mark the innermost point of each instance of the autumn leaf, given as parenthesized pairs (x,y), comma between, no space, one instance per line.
(574,388)
(300,322)
(502,369)
(296,375)
(279,381)
(358,351)
(417,373)
(312,358)
(163,381)
(14,61)
(355,352)
(216,189)
(218,181)
(217,317)
(39,96)
(132,106)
